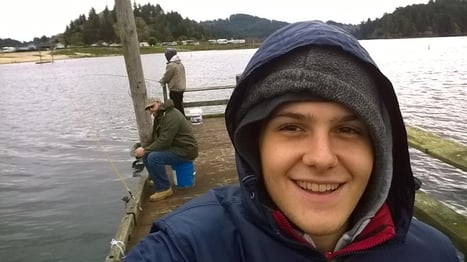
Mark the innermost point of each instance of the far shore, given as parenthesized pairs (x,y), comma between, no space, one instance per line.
(47,56)
(34,56)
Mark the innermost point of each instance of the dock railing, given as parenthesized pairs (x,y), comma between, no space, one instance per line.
(427,208)
(218,102)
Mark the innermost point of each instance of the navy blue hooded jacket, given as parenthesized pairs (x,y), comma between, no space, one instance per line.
(237,223)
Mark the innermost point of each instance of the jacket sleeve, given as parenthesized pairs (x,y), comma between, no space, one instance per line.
(155,247)
(168,75)
(168,129)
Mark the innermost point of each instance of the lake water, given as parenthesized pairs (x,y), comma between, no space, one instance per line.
(67,128)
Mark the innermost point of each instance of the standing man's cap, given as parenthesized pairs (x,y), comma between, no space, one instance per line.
(169,53)
(151,101)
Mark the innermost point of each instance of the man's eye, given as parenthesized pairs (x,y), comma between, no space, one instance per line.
(349,130)
(291,128)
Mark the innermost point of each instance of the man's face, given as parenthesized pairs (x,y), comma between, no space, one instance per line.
(153,109)
(316,158)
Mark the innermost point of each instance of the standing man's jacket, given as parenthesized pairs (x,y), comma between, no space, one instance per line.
(174,75)
(234,224)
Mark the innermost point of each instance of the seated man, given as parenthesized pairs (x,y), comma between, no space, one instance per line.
(172,142)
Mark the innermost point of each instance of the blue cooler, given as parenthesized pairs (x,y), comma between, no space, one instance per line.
(184,174)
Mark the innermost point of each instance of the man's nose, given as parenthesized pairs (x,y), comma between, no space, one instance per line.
(320,152)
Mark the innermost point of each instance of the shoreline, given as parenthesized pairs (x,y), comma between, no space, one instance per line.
(47,57)
(33,56)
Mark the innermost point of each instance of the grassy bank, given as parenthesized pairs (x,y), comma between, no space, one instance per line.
(109,51)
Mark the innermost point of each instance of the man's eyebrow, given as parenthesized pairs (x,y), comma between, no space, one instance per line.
(300,116)
(349,117)
(289,114)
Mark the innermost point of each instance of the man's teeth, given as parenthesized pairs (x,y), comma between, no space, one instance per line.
(317,187)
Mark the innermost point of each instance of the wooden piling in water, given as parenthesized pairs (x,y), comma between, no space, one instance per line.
(438,215)
(130,47)
(446,150)
(128,222)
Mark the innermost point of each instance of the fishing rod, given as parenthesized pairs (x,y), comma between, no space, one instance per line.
(147,80)
(107,156)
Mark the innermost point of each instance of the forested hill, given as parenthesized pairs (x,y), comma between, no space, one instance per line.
(242,26)
(437,18)
(154,25)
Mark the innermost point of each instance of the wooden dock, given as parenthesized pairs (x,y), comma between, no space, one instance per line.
(213,168)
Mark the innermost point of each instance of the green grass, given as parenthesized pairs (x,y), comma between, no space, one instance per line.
(89,51)
(111,51)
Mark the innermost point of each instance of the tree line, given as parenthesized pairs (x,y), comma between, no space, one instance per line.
(437,18)
(153,25)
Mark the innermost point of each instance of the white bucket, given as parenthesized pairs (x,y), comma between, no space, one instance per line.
(196,116)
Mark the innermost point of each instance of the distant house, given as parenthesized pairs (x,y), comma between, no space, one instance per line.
(8,49)
(144,44)
(32,47)
(59,46)
(190,42)
(173,43)
(22,48)
(236,41)
(100,43)
(45,46)
(222,41)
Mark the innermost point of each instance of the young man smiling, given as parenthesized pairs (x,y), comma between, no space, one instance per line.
(320,153)
(323,165)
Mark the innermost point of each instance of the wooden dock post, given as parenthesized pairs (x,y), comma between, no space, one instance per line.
(130,45)
(446,150)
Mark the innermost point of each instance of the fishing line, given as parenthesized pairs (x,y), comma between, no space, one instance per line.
(123,76)
(101,148)
(114,168)
(148,81)
(107,156)
(116,243)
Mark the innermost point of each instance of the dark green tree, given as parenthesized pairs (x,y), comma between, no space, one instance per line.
(91,29)
(107,32)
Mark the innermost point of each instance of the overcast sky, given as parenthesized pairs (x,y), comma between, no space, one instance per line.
(25,19)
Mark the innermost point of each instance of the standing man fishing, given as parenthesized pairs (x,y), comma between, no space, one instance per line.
(175,78)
